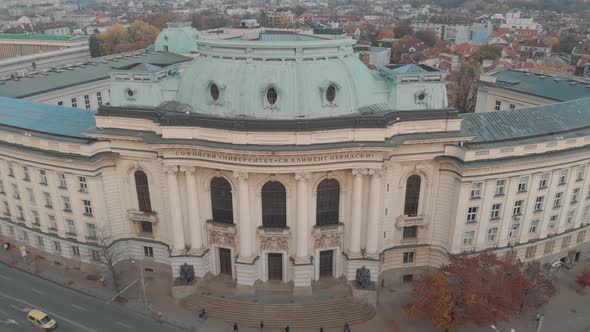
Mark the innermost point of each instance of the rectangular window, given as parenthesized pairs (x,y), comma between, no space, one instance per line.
(74,102)
(26,174)
(83,183)
(87,101)
(472,214)
(410,232)
(543,180)
(91,229)
(10,170)
(539,203)
(40,243)
(20,212)
(75,251)
(52,223)
(99,98)
(557,200)
(36,219)
(11,230)
(6,208)
(534,227)
(67,204)
(569,217)
(57,247)
(496,211)
(468,238)
(575,195)
(580,173)
(565,242)
(148,251)
(43,176)
(581,236)
(498,105)
(60,103)
(549,246)
(530,252)
(25,237)
(62,181)
(500,185)
(553,222)
(585,214)
(71,227)
(518,207)
(523,182)
(512,106)
(513,234)
(563,176)
(146,227)
(2,187)
(492,234)
(31,195)
(48,202)
(408,257)
(87,207)
(95,254)
(16,193)
(475,190)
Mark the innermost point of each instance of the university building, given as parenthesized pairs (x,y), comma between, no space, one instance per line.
(283,157)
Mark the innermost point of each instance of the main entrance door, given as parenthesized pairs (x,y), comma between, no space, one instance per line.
(275,266)
(225,261)
(326,263)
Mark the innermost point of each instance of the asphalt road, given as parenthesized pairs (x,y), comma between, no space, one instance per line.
(73,311)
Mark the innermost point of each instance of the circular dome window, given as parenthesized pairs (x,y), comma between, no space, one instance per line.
(271,95)
(421,96)
(331,93)
(130,92)
(214,90)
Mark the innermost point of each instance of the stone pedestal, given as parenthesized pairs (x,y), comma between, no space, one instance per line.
(200,263)
(247,272)
(368,296)
(352,264)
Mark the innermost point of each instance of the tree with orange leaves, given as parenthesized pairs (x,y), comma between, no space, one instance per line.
(480,289)
(583,279)
(384,33)
(118,39)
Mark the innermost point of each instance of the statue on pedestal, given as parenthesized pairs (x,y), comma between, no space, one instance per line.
(363,278)
(187,273)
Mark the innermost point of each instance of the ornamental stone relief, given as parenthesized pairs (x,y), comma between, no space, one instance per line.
(224,239)
(274,243)
(328,240)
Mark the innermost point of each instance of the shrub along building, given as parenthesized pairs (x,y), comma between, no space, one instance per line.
(283,157)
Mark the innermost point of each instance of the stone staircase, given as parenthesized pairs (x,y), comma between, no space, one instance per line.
(324,313)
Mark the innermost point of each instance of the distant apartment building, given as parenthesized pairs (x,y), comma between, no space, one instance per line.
(280,19)
(373,57)
(445,27)
(475,34)
(13,45)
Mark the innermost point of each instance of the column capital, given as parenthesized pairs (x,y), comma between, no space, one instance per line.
(359,171)
(188,169)
(241,175)
(376,172)
(302,176)
(170,169)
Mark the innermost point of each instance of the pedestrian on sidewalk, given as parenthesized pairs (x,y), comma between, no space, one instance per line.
(203,314)
(321,329)
(235,327)
(261,325)
(346,327)
(286,329)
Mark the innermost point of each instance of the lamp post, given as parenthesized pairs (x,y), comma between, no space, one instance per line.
(540,317)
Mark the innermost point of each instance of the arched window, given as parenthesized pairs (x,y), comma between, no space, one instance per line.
(328,203)
(412,196)
(221,201)
(272,95)
(274,205)
(331,93)
(214,90)
(143,191)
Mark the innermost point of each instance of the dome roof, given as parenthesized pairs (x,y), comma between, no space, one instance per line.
(279,76)
(177,37)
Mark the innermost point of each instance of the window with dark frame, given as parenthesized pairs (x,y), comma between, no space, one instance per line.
(331,93)
(221,201)
(412,196)
(410,232)
(328,202)
(214,91)
(274,205)
(271,95)
(143,191)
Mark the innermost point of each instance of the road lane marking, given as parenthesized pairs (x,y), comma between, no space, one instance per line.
(75,306)
(37,291)
(5,278)
(17,308)
(80,326)
(127,326)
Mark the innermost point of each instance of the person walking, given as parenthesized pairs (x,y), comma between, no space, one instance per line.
(261,325)
(346,327)
(286,328)
(235,327)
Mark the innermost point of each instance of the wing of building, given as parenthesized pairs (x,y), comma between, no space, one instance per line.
(284,157)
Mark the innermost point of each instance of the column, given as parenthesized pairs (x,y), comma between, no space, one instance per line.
(244,226)
(178,244)
(193,209)
(374,212)
(356,211)
(302,217)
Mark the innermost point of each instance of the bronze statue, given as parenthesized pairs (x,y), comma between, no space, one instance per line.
(363,278)
(187,273)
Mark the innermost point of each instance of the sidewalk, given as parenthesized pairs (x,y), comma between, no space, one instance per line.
(568,310)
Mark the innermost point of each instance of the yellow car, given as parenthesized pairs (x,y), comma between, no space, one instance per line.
(41,320)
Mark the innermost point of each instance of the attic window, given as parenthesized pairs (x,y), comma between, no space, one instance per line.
(331,93)
(130,92)
(271,95)
(166,38)
(421,96)
(214,90)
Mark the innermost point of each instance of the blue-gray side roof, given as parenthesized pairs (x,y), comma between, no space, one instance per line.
(98,69)
(527,123)
(558,88)
(50,119)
